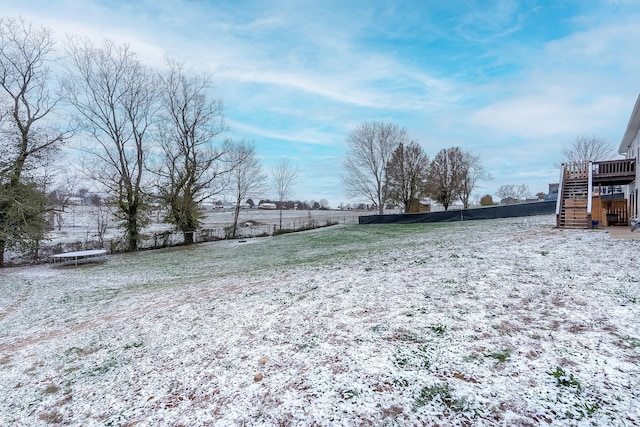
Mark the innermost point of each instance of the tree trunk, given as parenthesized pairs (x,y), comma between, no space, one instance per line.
(188,237)
(133,243)
(36,251)
(132,232)
(2,244)
(236,214)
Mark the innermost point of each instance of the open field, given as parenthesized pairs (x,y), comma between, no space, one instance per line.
(77,228)
(497,322)
(80,223)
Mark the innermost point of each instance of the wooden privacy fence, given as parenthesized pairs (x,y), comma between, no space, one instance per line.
(610,212)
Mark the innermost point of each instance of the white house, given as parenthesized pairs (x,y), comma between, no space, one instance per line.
(630,148)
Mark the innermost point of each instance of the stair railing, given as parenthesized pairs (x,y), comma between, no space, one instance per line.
(589,190)
(560,194)
(576,170)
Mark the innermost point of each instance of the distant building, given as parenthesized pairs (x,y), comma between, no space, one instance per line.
(553,192)
(510,201)
(267,206)
(75,201)
(419,206)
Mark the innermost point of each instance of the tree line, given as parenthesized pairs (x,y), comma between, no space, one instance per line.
(144,133)
(386,167)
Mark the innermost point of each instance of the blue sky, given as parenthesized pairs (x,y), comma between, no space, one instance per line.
(511,81)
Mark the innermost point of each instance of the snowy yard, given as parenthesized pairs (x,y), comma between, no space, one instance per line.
(500,322)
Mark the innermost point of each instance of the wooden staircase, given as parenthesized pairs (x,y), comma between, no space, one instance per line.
(574,199)
(573,213)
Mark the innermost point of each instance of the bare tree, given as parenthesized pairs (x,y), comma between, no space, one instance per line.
(522,191)
(60,195)
(446,174)
(369,149)
(588,148)
(115,97)
(103,216)
(472,172)
(246,179)
(27,133)
(505,191)
(283,176)
(513,191)
(191,166)
(406,175)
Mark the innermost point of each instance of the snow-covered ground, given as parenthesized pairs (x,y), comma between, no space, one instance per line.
(498,322)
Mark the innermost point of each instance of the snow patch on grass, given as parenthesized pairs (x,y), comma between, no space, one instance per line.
(499,322)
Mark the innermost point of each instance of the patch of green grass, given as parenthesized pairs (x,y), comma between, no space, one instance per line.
(581,410)
(416,358)
(351,393)
(439,329)
(136,344)
(307,342)
(586,409)
(463,404)
(444,393)
(632,342)
(401,382)
(473,357)
(500,356)
(105,367)
(414,310)
(402,334)
(379,328)
(629,278)
(565,380)
(439,390)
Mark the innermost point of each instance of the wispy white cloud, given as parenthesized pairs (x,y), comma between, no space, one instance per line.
(306,136)
(301,75)
(568,87)
(486,21)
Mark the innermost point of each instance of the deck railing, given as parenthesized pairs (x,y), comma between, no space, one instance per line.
(614,168)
